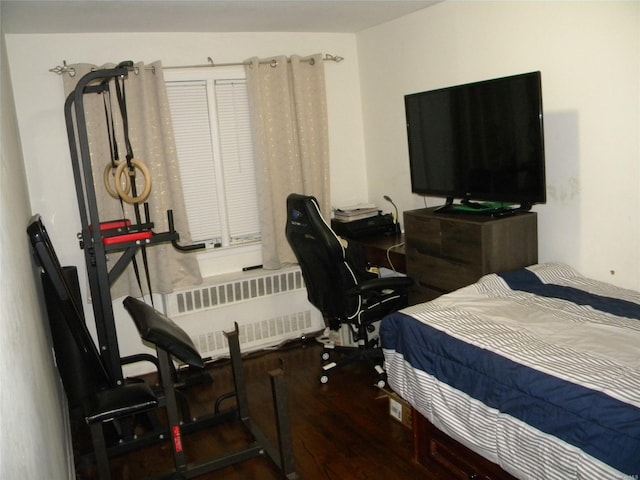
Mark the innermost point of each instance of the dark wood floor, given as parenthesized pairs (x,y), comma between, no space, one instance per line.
(341,430)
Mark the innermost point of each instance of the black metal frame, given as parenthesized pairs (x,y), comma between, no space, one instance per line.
(281,456)
(101,278)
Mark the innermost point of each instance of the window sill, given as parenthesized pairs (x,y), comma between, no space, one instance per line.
(219,261)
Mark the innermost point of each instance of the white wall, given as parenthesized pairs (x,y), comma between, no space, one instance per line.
(34,439)
(589,56)
(39,100)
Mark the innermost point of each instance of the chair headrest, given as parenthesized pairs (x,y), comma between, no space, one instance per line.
(304,217)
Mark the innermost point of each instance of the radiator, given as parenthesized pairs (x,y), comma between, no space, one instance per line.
(269,307)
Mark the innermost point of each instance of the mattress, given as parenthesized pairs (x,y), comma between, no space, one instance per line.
(537,370)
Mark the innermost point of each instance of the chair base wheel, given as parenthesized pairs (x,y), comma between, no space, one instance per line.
(382,377)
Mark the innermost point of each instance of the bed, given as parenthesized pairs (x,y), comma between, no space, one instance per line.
(536,371)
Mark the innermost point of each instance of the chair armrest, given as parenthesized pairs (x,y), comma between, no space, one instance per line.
(379,284)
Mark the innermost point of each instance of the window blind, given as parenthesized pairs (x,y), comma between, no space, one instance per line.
(238,165)
(215,152)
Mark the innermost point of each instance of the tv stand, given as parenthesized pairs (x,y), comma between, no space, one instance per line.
(446,252)
(489,209)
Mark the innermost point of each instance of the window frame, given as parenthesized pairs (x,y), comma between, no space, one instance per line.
(226,257)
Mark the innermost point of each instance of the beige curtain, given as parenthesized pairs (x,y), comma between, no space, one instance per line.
(152,141)
(287,99)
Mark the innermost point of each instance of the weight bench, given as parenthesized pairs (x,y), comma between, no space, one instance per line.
(97,398)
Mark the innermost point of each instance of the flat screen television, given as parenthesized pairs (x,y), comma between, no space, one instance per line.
(481,143)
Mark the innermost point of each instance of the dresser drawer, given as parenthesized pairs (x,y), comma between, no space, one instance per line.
(445,238)
(424,233)
(461,242)
(420,294)
(439,273)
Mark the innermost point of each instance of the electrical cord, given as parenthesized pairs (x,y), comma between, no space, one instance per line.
(389,255)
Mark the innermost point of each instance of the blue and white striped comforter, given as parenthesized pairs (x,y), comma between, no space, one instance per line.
(537,370)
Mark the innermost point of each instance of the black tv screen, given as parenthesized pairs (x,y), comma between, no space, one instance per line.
(479,141)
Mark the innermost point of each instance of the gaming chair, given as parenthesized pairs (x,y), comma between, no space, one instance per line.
(343,291)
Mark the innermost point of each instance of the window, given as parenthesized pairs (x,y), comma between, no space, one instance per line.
(210,113)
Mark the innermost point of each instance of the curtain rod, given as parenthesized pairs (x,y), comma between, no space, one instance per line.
(64,68)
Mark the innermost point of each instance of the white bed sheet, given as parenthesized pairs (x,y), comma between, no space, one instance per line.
(604,356)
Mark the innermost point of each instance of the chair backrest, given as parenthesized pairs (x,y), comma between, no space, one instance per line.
(322,258)
(80,366)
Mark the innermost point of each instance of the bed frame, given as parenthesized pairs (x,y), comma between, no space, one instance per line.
(448,458)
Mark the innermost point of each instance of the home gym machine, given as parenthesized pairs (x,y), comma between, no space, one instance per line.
(99,238)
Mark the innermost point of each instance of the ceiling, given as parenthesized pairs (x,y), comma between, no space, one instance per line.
(100,16)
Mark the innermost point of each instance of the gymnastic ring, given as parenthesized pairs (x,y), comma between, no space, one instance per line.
(107,183)
(147,181)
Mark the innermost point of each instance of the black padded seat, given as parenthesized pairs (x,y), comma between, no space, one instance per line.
(161,331)
(123,401)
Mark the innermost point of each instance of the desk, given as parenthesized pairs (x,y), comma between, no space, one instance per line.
(376,247)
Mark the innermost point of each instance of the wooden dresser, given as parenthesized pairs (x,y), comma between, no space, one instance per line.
(445,252)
